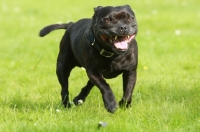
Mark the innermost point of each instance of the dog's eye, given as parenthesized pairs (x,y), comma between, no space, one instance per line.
(106,20)
(131,18)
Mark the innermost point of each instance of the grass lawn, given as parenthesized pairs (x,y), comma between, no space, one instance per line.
(167,93)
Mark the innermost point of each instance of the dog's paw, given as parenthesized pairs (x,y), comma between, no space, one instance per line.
(67,104)
(65,101)
(124,104)
(109,101)
(111,106)
(78,101)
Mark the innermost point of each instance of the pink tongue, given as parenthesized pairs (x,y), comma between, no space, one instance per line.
(121,44)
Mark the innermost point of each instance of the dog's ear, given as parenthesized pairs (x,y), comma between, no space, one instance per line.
(128,6)
(129,9)
(96,9)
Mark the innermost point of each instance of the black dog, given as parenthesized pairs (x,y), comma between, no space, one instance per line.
(105,46)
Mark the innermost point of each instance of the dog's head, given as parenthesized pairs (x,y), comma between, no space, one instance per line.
(114,27)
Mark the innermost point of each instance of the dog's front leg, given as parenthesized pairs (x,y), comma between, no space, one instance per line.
(108,98)
(129,80)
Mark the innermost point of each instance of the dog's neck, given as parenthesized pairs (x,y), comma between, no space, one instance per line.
(99,48)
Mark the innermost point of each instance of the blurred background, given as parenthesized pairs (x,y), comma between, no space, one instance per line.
(168,36)
(169,54)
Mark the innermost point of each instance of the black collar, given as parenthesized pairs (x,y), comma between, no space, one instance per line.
(101,50)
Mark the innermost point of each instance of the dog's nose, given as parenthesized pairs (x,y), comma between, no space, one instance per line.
(123,28)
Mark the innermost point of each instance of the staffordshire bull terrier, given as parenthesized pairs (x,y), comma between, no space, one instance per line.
(106,47)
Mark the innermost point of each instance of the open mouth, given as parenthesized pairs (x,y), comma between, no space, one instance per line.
(120,42)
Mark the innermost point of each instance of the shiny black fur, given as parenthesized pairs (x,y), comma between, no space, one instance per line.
(77,49)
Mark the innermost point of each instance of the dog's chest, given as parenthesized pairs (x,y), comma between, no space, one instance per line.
(116,67)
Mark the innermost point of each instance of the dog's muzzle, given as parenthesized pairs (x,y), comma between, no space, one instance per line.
(120,42)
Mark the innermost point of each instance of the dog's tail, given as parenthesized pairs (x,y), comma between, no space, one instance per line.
(46,30)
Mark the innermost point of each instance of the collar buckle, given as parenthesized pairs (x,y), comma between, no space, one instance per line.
(106,53)
(102,51)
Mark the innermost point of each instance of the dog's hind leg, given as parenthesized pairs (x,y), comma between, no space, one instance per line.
(63,75)
(65,63)
(84,93)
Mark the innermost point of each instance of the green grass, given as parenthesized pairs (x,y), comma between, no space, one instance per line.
(167,94)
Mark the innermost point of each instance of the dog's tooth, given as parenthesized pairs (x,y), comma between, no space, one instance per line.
(128,37)
(115,37)
(110,39)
